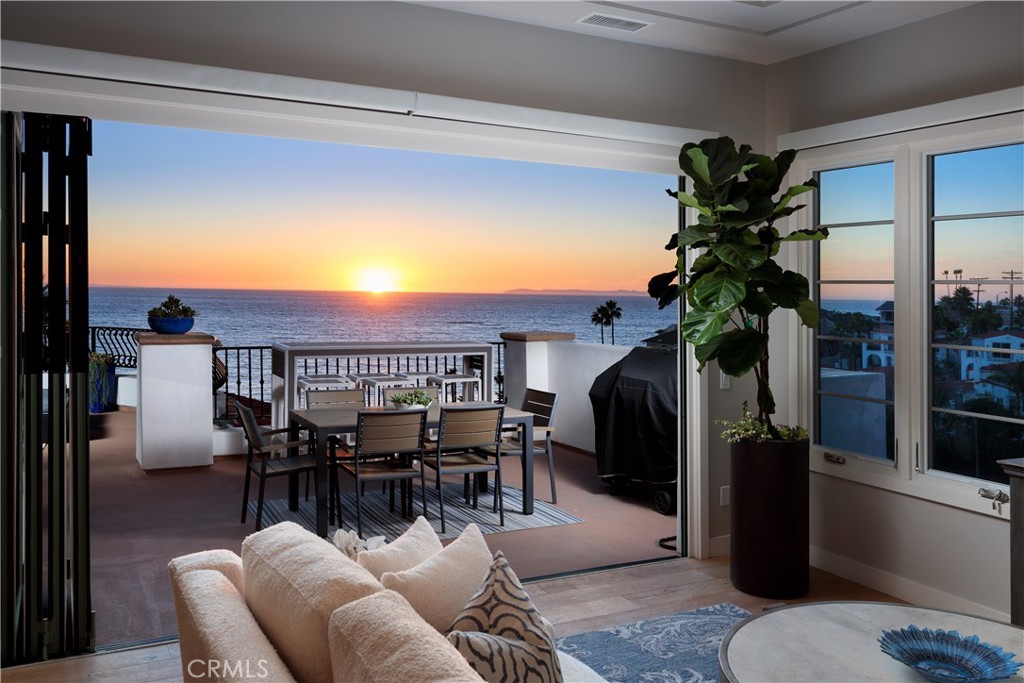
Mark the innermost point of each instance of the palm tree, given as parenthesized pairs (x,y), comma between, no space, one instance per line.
(945,276)
(614,313)
(600,317)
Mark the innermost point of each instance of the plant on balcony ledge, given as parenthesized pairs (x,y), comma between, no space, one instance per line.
(732,287)
(172,316)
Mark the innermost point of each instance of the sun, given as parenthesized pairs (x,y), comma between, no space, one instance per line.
(376,280)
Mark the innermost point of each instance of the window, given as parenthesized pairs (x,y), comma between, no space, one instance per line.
(856,339)
(916,373)
(977,236)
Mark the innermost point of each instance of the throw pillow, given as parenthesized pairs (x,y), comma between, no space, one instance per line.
(502,635)
(440,586)
(419,542)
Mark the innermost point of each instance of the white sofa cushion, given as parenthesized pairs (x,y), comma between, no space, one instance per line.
(381,639)
(502,635)
(575,671)
(440,586)
(294,580)
(219,639)
(419,542)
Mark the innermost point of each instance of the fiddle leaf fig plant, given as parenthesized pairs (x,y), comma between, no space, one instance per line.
(734,285)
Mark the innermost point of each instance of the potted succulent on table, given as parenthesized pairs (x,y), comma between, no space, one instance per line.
(102,383)
(172,316)
(732,287)
(416,398)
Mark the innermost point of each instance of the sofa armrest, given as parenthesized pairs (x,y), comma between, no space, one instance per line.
(224,561)
(219,638)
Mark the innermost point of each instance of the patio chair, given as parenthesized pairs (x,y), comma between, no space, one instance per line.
(388,443)
(542,404)
(334,398)
(463,433)
(272,460)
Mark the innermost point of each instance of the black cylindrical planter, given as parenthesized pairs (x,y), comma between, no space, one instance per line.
(770,528)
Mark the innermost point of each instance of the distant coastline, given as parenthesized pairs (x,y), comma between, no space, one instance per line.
(577,292)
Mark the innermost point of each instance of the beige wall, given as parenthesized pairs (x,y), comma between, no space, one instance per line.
(975,50)
(423,49)
(921,551)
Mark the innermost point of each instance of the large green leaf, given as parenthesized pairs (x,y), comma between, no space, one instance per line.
(816,234)
(657,284)
(709,351)
(693,235)
(704,263)
(740,256)
(716,291)
(810,314)
(757,303)
(700,327)
(692,202)
(740,350)
(697,168)
(769,271)
(791,289)
(794,191)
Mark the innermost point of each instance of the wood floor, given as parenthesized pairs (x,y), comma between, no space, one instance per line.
(574,604)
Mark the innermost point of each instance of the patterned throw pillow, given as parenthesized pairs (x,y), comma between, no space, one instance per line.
(502,635)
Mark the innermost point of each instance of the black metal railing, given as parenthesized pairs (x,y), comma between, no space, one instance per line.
(119,342)
(246,378)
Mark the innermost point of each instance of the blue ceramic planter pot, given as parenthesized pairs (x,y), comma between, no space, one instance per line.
(171,325)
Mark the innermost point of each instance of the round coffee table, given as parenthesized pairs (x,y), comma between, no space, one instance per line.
(838,642)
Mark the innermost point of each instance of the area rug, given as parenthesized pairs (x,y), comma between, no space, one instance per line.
(679,648)
(378,520)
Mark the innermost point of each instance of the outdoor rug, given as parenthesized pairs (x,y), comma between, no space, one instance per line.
(679,648)
(378,520)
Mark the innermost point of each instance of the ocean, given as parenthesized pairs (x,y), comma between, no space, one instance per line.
(262,317)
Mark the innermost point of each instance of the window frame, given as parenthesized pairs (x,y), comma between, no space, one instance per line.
(910,152)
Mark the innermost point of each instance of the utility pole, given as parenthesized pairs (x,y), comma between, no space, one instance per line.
(978,281)
(1011,275)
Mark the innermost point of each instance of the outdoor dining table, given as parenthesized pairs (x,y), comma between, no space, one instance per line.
(322,422)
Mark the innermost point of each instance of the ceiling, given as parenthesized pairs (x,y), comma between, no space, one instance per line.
(751,31)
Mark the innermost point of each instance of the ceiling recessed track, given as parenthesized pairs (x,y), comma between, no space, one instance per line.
(613,22)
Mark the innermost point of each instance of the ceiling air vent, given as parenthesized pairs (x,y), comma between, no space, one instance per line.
(610,21)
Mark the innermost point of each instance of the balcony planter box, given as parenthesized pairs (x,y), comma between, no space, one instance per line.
(102,385)
(770,518)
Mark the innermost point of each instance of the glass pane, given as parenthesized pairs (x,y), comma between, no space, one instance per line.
(987,248)
(862,252)
(873,301)
(856,369)
(856,426)
(979,381)
(971,446)
(979,181)
(856,195)
(997,321)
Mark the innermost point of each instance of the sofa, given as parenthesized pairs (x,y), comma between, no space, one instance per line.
(293,607)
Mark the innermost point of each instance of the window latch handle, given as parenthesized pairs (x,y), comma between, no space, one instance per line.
(996,496)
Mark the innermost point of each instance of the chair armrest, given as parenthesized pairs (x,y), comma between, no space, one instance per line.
(269,432)
(274,447)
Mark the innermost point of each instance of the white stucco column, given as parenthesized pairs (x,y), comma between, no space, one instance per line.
(526,362)
(174,418)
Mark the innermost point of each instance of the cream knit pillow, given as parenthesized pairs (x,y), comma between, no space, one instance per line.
(502,635)
(418,543)
(381,639)
(440,586)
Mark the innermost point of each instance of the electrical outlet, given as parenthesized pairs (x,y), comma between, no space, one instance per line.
(723,380)
(723,496)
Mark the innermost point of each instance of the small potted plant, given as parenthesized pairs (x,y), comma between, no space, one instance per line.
(411,399)
(102,383)
(172,316)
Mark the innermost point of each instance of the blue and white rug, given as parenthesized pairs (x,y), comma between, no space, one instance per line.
(679,648)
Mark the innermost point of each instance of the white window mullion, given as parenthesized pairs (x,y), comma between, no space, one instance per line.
(914,291)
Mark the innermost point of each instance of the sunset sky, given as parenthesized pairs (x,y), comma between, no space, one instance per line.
(173,207)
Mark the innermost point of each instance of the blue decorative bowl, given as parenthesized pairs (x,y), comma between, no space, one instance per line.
(171,325)
(947,656)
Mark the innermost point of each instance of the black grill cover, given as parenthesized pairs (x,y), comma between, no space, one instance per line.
(635,416)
